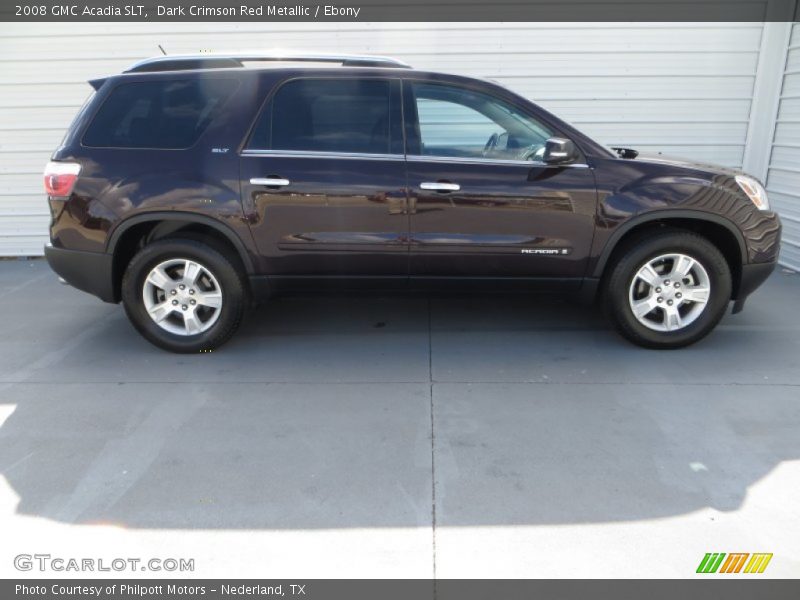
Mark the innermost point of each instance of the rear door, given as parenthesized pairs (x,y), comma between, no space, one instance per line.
(323,180)
(481,203)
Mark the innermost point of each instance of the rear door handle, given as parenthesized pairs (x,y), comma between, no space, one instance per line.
(439,186)
(270,181)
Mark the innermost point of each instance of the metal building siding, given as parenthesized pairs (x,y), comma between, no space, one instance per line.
(682,89)
(783,174)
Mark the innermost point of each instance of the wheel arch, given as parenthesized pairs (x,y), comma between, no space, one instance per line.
(720,231)
(130,235)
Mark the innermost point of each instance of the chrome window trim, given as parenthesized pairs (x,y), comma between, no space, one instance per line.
(410,158)
(490,161)
(315,154)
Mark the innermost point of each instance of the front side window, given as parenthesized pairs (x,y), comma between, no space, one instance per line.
(159,114)
(461,123)
(331,115)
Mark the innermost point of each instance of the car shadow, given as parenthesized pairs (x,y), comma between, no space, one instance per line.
(346,412)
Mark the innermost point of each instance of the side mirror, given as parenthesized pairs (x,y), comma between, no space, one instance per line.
(559,151)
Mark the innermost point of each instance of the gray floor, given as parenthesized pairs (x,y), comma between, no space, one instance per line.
(379,436)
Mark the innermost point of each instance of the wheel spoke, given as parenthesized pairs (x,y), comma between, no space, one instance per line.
(682,285)
(682,266)
(648,275)
(161,311)
(191,271)
(159,278)
(672,318)
(191,322)
(644,306)
(182,296)
(210,299)
(697,294)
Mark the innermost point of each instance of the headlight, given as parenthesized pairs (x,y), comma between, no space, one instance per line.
(754,190)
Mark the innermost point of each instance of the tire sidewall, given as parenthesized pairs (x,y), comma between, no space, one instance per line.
(705,253)
(222,269)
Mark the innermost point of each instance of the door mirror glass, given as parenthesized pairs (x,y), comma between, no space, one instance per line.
(559,151)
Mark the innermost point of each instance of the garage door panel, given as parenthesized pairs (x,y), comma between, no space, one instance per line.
(649,111)
(787,133)
(783,179)
(788,206)
(791,84)
(23,205)
(783,175)
(539,38)
(683,89)
(42,141)
(785,157)
(619,87)
(22,183)
(34,118)
(707,134)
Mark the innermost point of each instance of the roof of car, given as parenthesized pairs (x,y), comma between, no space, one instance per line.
(187,62)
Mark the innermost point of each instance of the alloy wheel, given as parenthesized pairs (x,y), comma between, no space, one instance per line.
(182,296)
(669,292)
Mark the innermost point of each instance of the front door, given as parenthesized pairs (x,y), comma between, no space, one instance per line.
(323,181)
(481,203)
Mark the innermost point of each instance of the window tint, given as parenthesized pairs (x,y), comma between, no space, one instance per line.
(333,115)
(158,114)
(458,122)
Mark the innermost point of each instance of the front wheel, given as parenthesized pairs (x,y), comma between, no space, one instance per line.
(183,296)
(668,290)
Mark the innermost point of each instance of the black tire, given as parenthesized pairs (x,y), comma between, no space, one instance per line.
(224,268)
(641,250)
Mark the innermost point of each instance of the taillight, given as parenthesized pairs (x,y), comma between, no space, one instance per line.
(60,178)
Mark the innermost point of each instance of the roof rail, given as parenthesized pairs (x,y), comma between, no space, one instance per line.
(182,62)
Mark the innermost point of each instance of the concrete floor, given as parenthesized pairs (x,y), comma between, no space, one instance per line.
(398,437)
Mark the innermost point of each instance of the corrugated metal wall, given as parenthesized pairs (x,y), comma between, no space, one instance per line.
(783,175)
(683,89)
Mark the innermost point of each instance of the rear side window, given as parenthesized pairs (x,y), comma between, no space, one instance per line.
(158,114)
(332,115)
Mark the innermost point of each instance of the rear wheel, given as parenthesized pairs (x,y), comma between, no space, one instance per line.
(667,290)
(183,295)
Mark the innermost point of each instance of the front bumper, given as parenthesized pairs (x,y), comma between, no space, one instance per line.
(90,272)
(753,275)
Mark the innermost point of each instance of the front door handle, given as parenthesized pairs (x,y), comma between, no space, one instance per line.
(270,181)
(439,186)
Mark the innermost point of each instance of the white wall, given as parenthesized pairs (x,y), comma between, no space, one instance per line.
(783,174)
(683,89)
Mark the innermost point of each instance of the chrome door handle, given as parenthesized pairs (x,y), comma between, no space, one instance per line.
(270,181)
(439,186)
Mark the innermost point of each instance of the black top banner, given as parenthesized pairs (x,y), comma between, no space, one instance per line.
(400,10)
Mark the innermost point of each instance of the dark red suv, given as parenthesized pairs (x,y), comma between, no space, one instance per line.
(189,186)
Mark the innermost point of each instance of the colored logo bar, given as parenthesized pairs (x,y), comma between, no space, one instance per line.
(716,562)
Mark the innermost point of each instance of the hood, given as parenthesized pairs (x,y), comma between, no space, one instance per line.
(685,163)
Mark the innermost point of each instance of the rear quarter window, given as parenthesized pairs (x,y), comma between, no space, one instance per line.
(332,115)
(163,114)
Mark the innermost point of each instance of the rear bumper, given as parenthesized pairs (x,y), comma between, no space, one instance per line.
(87,271)
(753,275)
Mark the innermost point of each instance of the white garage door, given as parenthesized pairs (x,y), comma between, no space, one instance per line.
(783,176)
(681,89)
